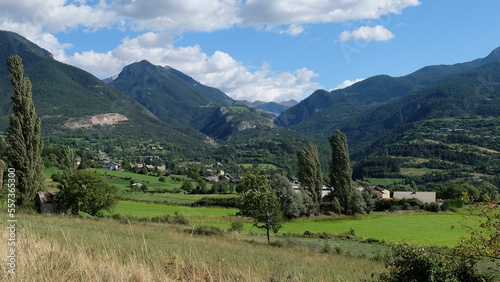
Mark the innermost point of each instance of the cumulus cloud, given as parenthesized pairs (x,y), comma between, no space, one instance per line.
(367,33)
(318,11)
(160,21)
(57,15)
(348,83)
(218,70)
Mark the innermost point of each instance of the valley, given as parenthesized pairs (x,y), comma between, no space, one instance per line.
(181,158)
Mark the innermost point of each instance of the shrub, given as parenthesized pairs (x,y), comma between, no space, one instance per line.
(180,219)
(237,225)
(207,231)
(419,264)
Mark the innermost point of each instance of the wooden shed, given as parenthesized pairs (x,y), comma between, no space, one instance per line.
(44,202)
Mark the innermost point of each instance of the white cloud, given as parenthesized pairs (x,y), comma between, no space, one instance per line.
(367,33)
(348,83)
(218,70)
(207,15)
(318,11)
(57,15)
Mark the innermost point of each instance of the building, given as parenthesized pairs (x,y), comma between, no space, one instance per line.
(426,197)
(44,202)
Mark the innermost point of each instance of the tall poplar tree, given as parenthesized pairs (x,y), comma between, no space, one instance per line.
(23,136)
(341,174)
(310,174)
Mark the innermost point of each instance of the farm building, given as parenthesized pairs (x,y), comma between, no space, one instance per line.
(426,197)
(382,193)
(44,202)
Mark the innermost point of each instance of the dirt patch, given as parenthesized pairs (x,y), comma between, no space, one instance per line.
(101,119)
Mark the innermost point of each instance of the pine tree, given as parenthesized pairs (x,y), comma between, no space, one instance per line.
(310,174)
(341,174)
(23,136)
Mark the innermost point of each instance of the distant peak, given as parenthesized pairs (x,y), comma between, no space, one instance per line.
(493,56)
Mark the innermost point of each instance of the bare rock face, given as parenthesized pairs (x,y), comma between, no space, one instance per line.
(101,119)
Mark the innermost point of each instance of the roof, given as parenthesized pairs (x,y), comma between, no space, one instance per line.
(46,197)
(426,197)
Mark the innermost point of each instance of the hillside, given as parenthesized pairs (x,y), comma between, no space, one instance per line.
(323,112)
(179,100)
(74,103)
(453,123)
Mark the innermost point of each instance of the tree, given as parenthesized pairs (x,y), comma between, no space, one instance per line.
(341,174)
(484,240)
(259,201)
(86,191)
(292,203)
(23,136)
(67,160)
(309,174)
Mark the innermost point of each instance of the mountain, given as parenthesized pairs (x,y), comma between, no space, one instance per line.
(322,112)
(453,123)
(273,108)
(182,101)
(74,103)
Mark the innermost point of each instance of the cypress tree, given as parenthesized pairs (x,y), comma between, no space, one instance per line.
(310,174)
(341,173)
(23,136)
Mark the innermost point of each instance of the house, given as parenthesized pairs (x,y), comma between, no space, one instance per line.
(426,197)
(44,202)
(112,165)
(382,193)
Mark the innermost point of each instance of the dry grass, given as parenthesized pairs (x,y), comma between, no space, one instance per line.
(54,248)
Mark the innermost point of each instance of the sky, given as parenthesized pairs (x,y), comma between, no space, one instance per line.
(268,50)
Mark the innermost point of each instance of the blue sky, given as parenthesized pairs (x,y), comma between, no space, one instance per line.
(271,50)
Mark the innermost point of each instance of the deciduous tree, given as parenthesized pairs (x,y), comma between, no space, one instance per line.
(86,191)
(259,201)
(341,174)
(309,174)
(23,136)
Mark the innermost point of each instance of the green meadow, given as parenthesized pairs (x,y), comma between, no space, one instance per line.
(415,228)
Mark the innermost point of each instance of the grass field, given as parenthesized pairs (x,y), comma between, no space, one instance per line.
(148,210)
(55,248)
(418,228)
(416,171)
(384,181)
(170,198)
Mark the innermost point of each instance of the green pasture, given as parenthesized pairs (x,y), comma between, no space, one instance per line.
(384,181)
(148,210)
(416,228)
(152,182)
(409,171)
(170,198)
(260,166)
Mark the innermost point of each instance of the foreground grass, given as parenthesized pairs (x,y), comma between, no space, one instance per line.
(55,248)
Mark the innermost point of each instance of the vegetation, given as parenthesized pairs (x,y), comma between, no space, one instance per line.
(77,249)
(309,173)
(23,136)
(421,264)
(86,191)
(259,201)
(343,196)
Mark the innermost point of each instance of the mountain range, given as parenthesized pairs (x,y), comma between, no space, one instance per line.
(439,117)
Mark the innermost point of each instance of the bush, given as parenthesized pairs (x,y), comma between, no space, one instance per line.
(419,264)
(217,202)
(180,219)
(207,231)
(237,225)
